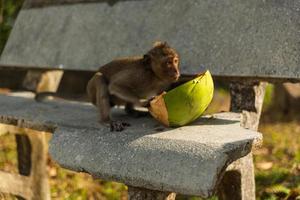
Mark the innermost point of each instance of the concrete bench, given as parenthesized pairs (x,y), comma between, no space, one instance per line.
(186,160)
(242,42)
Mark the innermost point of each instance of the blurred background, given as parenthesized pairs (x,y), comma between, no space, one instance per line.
(277,163)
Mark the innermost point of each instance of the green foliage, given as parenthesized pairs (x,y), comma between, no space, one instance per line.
(271,177)
(297,157)
(10,10)
(268,96)
(79,194)
(282,149)
(8,155)
(113,191)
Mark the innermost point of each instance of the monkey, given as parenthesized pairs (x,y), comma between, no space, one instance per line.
(133,81)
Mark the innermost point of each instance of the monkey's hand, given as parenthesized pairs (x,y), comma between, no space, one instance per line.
(118,126)
(145,102)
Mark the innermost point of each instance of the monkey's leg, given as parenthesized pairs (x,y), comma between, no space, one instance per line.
(97,90)
(129,109)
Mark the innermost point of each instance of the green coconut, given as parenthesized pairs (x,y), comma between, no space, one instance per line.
(185,103)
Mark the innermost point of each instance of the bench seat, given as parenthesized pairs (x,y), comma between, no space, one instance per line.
(186,160)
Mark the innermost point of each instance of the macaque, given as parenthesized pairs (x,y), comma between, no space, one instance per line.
(133,81)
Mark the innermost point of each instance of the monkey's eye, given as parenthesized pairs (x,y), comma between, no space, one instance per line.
(175,60)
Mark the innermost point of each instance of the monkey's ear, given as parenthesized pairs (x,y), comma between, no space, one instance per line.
(160,44)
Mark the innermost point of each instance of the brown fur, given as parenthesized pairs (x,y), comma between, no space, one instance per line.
(133,81)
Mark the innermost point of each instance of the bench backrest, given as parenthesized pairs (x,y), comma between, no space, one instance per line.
(234,38)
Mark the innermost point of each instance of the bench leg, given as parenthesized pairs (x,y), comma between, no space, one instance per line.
(144,194)
(41,81)
(39,175)
(238,182)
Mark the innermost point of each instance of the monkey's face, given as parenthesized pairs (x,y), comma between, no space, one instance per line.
(165,62)
(169,68)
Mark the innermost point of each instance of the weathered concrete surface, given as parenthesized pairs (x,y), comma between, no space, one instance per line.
(230,37)
(186,160)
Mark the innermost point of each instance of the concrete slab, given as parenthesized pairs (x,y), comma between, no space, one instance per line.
(186,160)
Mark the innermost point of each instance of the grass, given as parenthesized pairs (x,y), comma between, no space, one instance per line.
(277,163)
